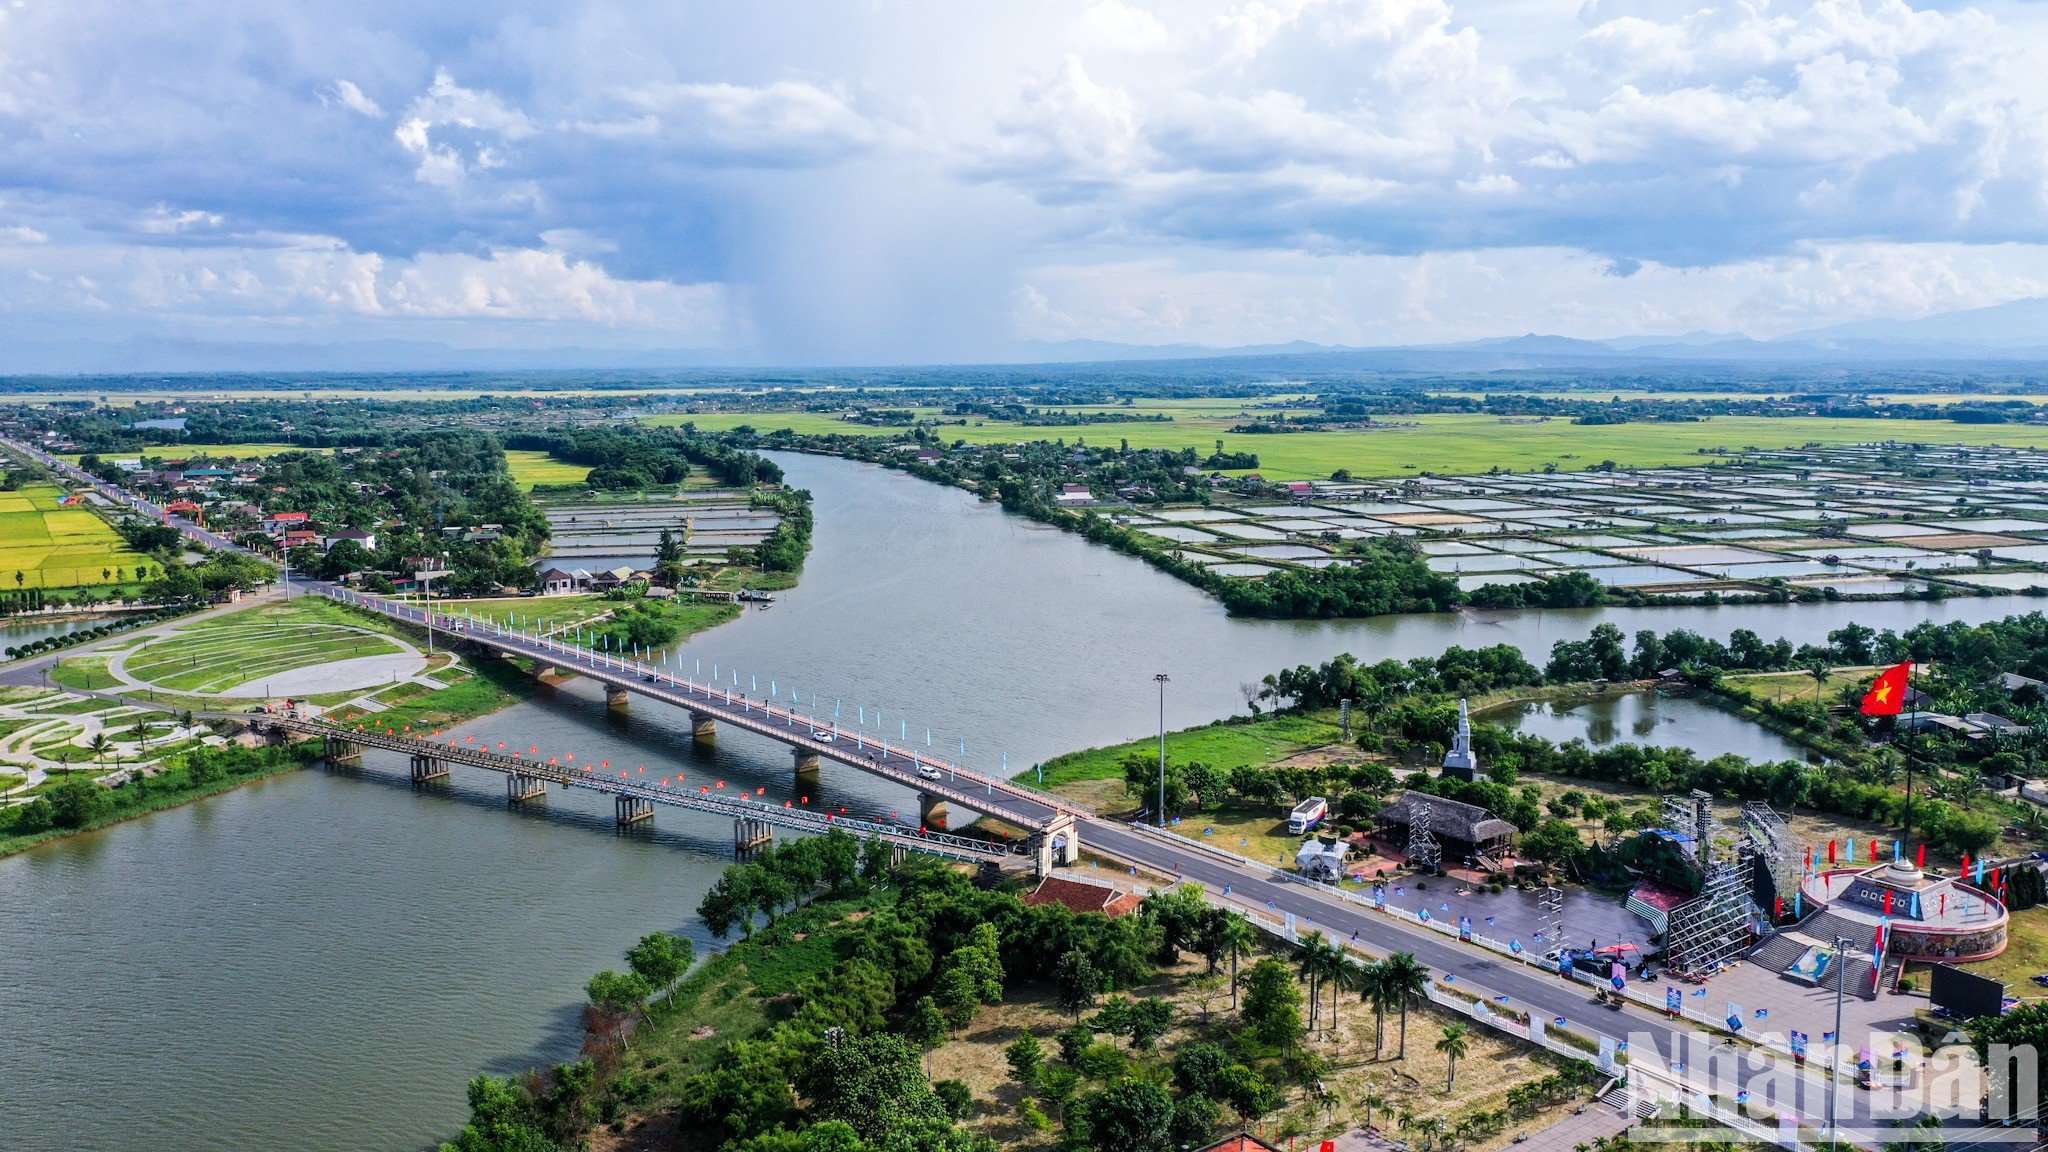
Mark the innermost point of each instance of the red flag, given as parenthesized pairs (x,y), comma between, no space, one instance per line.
(1873,851)
(1887,697)
(1920,860)
(1888,901)
(1831,852)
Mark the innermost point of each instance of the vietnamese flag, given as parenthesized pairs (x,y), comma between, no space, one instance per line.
(1887,697)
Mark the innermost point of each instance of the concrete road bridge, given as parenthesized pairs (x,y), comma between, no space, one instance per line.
(1056,827)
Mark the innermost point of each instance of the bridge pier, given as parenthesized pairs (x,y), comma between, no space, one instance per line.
(338,751)
(632,809)
(520,788)
(806,765)
(931,811)
(703,727)
(749,834)
(615,697)
(425,768)
(549,673)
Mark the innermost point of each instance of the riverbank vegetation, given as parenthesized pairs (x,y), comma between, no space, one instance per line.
(77,804)
(1236,778)
(871,1008)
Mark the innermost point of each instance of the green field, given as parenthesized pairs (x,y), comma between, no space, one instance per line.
(1448,444)
(44,544)
(530,468)
(210,451)
(225,652)
(1224,744)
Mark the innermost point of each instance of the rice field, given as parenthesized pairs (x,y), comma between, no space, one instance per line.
(224,653)
(45,544)
(1447,444)
(531,468)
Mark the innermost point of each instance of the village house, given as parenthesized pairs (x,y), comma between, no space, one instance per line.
(278,523)
(367,539)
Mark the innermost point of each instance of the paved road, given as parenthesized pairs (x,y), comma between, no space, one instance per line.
(1479,971)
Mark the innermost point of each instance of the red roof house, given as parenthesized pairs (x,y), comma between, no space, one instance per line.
(1081,896)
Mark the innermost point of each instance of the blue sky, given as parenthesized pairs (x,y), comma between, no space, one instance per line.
(912,181)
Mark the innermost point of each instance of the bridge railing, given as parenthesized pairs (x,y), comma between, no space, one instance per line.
(569,777)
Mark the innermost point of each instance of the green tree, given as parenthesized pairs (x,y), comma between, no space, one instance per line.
(1407,981)
(926,1025)
(77,802)
(618,991)
(1453,1045)
(1131,1116)
(873,1083)
(1025,1055)
(1272,1004)
(1239,937)
(1246,1092)
(1150,1020)
(661,959)
(955,996)
(1075,983)
(501,1119)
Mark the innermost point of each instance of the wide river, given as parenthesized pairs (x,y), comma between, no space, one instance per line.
(320,962)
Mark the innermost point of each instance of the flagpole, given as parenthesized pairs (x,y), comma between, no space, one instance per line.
(1907,745)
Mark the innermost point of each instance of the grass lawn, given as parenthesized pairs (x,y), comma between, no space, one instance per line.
(47,544)
(2025,956)
(1222,744)
(531,468)
(1445,443)
(557,609)
(224,652)
(1779,687)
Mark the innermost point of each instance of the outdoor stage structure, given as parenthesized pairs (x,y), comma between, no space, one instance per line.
(1737,881)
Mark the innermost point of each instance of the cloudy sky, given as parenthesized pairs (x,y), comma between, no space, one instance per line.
(902,180)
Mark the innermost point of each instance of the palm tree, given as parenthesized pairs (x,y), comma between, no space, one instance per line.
(1818,669)
(100,744)
(1428,1129)
(1374,989)
(1452,1044)
(1407,980)
(1371,1100)
(1238,937)
(1346,975)
(1314,963)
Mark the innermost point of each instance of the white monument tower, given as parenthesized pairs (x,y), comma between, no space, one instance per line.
(1460,761)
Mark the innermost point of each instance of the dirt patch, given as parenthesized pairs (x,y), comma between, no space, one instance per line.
(1325,756)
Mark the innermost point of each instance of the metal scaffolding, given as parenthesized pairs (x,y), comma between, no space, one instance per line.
(1423,850)
(1692,816)
(1551,929)
(1713,928)
(1767,837)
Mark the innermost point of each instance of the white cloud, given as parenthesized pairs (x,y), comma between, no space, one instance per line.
(1112,25)
(447,104)
(786,123)
(162,221)
(21,234)
(346,94)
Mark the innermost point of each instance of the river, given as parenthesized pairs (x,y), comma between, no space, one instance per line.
(320,962)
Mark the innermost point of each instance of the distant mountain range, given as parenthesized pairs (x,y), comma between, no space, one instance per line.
(2012,332)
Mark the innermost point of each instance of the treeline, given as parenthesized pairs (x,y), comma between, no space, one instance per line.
(634,457)
(78,803)
(784,548)
(837,1066)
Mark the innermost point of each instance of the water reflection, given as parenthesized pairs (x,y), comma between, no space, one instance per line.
(1650,717)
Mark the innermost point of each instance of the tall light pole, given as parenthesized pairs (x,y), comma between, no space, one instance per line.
(1162,680)
(1835,1052)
